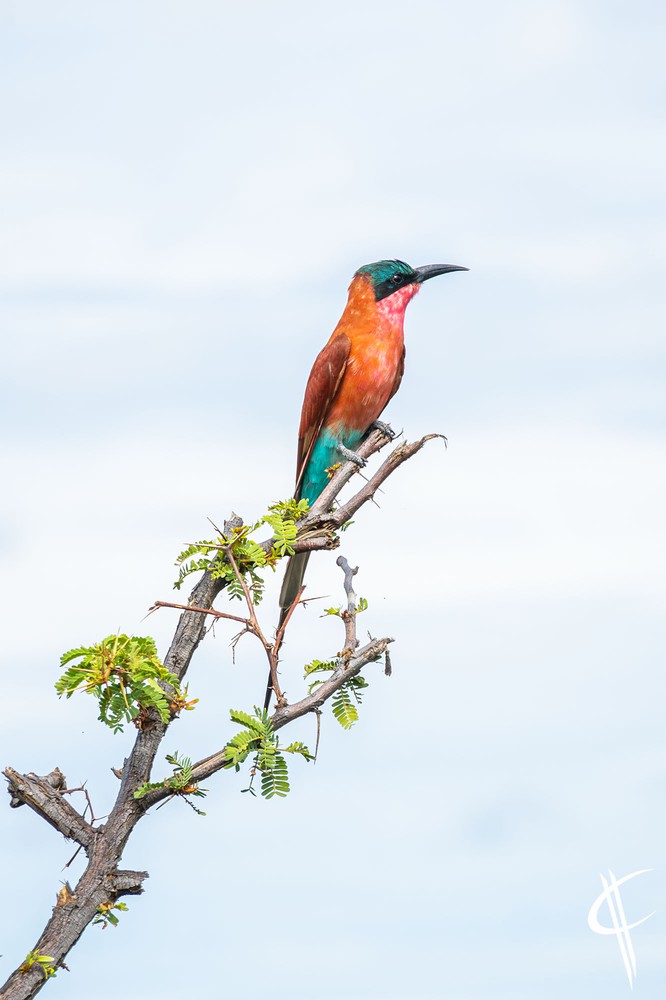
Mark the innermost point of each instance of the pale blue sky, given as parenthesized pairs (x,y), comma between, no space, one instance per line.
(186,191)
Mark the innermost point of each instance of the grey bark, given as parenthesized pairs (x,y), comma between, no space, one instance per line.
(102,881)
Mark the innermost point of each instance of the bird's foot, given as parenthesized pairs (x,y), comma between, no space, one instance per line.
(386,429)
(351,456)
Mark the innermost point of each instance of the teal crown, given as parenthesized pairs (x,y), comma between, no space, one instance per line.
(387,276)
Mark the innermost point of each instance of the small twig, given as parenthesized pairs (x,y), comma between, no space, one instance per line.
(279,635)
(274,651)
(349,616)
(82,788)
(235,639)
(255,627)
(350,573)
(317,713)
(201,611)
(73,857)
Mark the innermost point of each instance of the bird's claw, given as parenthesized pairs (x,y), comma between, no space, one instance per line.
(351,456)
(386,429)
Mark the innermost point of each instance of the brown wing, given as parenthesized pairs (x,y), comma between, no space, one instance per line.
(323,384)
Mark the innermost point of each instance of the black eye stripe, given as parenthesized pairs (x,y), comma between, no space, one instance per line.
(394,277)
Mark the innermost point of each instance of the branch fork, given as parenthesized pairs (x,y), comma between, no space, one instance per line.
(102,881)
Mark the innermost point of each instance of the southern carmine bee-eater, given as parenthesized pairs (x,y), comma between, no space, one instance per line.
(351,381)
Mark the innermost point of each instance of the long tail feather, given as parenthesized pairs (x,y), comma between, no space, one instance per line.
(291,584)
(293,581)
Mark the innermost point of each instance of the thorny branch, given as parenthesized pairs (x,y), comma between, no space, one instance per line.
(45,796)
(192,607)
(102,882)
(318,527)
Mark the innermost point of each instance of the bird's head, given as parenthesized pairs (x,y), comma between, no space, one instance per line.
(387,277)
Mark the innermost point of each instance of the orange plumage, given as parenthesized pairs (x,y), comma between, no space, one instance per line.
(352,380)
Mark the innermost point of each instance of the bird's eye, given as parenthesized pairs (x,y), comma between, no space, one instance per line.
(396,279)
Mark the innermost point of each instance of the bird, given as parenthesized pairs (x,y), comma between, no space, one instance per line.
(352,380)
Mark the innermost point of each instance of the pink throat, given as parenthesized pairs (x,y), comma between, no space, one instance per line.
(392,308)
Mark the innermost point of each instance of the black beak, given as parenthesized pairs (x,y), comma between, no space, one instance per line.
(432,270)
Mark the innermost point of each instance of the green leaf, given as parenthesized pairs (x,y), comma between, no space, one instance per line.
(319,665)
(300,748)
(148,786)
(355,685)
(126,677)
(179,783)
(249,721)
(344,711)
(276,780)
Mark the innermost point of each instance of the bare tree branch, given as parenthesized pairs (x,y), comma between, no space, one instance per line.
(349,616)
(282,716)
(103,882)
(318,527)
(202,611)
(47,801)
